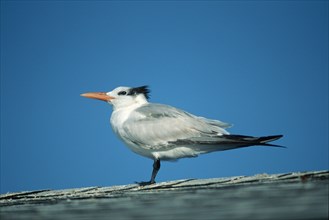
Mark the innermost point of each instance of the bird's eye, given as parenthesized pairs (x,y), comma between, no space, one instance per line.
(122,93)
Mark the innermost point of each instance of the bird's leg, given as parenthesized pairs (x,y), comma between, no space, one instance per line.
(156,168)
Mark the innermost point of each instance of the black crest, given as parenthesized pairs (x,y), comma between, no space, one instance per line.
(140,90)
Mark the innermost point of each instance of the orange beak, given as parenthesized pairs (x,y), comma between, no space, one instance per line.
(98,95)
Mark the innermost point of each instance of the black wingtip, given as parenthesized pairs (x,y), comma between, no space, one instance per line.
(264,140)
(246,141)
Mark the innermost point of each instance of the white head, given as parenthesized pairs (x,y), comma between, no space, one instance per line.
(122,96)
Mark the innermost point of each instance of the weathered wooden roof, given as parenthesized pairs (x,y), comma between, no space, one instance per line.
(300,195)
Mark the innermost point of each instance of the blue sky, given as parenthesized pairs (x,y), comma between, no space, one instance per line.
(262,66)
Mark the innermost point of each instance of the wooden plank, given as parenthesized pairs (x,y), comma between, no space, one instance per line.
(298,195)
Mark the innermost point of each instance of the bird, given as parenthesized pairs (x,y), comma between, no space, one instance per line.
(165,133)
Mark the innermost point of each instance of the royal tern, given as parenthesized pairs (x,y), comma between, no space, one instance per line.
(163,132)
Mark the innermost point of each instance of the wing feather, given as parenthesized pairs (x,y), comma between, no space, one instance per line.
(155,126)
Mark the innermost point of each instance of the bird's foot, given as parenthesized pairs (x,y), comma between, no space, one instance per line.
(145,183)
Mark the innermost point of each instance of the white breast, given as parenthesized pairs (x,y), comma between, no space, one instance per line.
(118,118)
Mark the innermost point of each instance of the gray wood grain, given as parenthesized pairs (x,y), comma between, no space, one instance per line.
(300,195)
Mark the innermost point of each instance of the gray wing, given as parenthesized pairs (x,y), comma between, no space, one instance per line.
(161,127)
